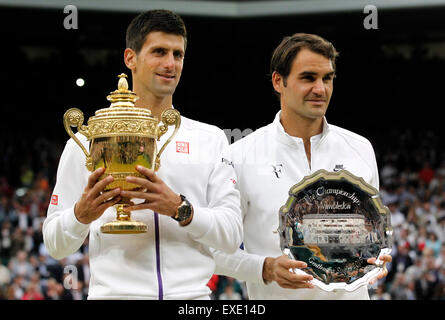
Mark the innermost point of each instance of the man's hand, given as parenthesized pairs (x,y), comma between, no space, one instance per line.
(384,272)
(94,201)
(277,269)
(158,196)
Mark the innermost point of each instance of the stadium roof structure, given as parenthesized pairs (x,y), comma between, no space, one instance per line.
(228,8)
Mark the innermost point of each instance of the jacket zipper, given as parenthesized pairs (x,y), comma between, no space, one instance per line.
(158,258)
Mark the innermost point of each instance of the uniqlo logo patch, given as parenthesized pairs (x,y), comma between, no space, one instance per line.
(182,147)
(55,199)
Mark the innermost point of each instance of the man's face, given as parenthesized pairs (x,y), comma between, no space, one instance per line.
(158,66)
(308,88)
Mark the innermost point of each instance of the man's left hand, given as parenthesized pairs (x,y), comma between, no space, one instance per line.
(157,195)
(384,272)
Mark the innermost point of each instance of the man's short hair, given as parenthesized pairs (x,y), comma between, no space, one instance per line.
(150,21)
(284,55)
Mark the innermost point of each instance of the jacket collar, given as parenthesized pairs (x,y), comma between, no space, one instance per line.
(285,138)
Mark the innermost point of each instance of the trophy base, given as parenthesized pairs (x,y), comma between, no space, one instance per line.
(124,227)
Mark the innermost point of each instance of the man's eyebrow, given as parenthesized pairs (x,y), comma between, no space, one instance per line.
(312,73)
(158,48)
(179,51)
(164,48)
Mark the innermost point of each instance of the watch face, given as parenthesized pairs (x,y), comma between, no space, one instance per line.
(184,211)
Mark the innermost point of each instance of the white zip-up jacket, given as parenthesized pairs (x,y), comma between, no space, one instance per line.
(268,162)
(168,261)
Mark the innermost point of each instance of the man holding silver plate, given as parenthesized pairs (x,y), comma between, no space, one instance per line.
(314,225)
(150,231)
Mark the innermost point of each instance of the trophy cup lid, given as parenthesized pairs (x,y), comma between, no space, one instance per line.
(122,96)
(122,117)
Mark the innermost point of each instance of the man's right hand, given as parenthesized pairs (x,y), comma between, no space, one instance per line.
(279,270)
(94,201)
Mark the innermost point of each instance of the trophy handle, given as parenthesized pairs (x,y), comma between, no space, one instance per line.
(74,118)
(169,117)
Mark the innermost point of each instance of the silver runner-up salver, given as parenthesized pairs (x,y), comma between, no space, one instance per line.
(335,222)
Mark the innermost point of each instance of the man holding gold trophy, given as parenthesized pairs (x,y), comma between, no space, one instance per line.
(151,220)
(321,229)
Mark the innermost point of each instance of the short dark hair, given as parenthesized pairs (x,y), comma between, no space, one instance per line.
(287,50)
(154,20)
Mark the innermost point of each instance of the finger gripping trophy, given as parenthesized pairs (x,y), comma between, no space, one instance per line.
(121,137)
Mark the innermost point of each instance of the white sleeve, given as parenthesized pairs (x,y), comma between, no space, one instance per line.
(219,225)
(240,265)
(375,171)
(63,234)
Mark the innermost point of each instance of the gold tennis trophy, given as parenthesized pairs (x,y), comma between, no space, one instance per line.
(121,137)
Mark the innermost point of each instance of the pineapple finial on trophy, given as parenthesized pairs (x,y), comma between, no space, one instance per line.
(123,83)
(122,97)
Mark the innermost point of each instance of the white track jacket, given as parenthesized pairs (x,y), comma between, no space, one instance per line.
(169,261)
(268,162)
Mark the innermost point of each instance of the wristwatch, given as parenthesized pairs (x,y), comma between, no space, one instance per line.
(184,211)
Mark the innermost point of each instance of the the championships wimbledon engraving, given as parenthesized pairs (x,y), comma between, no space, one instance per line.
(335,222)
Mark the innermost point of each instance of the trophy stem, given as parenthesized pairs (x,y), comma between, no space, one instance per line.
(123,223)
(121,215)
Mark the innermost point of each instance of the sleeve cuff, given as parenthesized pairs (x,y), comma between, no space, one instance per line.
(74,227)
(200,224)
(259,260)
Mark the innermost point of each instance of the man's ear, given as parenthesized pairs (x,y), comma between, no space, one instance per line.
(130,58)
(277,81)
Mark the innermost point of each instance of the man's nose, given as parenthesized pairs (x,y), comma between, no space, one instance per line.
(319,87)
(169,61)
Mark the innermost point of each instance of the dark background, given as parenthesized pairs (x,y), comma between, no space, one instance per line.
(389,88)
(389,82)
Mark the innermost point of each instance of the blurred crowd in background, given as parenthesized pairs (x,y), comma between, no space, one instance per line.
(412,185)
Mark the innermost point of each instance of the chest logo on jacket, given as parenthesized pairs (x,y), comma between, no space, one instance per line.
(182,147)
(278,170)
(227,162)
